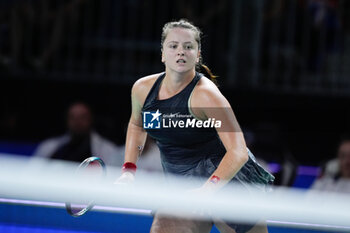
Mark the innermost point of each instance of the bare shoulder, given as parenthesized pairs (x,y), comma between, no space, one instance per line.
(143,85)
(207,94)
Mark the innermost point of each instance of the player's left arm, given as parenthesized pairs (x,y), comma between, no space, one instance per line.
(208,102)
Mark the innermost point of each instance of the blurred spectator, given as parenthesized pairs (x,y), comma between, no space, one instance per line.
(81,141)
(336,176)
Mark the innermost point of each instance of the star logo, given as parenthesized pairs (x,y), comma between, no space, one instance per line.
(156,115)
(151,120)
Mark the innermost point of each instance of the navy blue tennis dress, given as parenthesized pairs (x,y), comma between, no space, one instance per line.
(193,151)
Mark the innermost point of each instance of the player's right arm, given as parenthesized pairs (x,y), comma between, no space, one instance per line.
(136,135)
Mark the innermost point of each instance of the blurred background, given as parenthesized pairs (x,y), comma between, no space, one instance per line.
(283,65)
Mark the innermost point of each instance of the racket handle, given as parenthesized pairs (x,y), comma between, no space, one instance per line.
(125,178)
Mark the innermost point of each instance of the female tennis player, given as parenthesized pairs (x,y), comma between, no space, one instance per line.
(216,152)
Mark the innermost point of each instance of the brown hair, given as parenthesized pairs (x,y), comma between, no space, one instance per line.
(184,23)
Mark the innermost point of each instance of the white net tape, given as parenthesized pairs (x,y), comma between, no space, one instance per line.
(56,182)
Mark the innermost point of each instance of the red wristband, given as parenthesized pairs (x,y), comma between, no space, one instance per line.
(214,179)
(129,167)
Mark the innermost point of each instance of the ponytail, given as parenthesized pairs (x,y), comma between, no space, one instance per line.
(210,74)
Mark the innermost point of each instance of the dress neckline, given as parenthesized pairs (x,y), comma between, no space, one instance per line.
(171,97)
